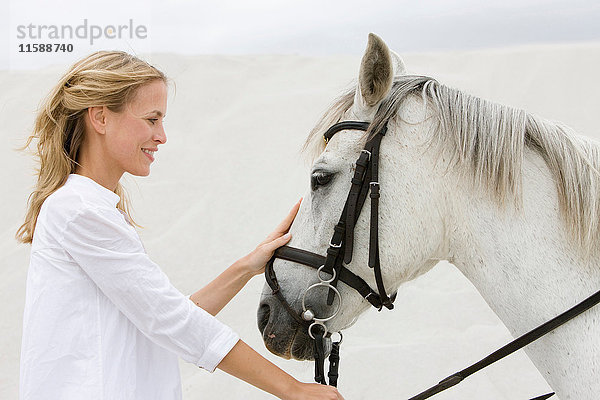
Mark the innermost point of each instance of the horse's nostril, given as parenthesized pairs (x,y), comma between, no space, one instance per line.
(263,314)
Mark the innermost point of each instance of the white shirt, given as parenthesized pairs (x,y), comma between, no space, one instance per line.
(101,320)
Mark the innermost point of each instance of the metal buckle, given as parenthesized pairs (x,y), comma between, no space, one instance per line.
(374,183)
(336,246)
(366,151)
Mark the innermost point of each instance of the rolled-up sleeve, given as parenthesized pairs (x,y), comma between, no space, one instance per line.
(112,255)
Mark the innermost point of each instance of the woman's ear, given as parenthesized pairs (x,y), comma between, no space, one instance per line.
(97,118)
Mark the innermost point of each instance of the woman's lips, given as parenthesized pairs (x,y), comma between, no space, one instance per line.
(150,156)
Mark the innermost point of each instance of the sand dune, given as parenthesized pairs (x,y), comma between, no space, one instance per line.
(231,170)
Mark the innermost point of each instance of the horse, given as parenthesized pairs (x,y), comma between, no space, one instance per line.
(509,198)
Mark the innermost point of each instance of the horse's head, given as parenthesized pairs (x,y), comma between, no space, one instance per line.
(411,219)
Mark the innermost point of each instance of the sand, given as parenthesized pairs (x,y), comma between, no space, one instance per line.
(231,169)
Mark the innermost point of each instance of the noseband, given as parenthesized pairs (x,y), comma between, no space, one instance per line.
(365,180)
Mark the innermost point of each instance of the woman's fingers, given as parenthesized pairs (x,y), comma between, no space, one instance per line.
(280,241)
(311,391)
(287,221)
(284,225)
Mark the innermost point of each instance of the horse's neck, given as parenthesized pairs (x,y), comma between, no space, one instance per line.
(528,272)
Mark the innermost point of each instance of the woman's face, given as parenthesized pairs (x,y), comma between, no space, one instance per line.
(133,135)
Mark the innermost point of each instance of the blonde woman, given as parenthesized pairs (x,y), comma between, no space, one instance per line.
(101,320)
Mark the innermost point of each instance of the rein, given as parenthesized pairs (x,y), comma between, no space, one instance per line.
(340,249)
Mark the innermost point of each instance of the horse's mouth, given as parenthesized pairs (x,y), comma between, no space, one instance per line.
(282,335)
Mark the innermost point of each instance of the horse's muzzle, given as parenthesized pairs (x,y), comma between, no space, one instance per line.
(282,335)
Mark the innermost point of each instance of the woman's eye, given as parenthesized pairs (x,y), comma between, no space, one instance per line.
(320,179)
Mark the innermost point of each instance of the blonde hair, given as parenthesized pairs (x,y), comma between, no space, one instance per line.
(104,78)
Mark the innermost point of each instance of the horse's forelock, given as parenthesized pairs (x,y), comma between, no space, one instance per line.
(314,144)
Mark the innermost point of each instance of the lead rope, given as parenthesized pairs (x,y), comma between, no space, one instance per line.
(511,347)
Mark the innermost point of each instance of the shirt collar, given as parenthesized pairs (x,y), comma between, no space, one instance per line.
(97,191)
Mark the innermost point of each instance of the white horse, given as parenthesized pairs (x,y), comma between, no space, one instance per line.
(512,200)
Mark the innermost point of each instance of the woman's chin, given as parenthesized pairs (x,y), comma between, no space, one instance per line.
(140,172)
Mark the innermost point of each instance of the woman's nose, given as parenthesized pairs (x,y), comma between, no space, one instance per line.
(161,136)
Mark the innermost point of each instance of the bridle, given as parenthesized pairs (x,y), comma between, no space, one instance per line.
(340,249)
(365,180)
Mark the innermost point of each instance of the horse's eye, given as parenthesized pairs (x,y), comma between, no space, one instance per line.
(320,178)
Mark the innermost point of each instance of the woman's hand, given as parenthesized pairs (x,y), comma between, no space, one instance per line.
(245,363)
(314,391)
(258,258)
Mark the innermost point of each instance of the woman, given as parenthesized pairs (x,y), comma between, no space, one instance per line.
(101,320)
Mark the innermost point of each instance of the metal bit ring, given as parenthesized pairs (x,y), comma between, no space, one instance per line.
(325,280)
(341,336)
(315,324)
(327,285)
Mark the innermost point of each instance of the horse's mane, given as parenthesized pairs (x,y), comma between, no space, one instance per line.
(490,139)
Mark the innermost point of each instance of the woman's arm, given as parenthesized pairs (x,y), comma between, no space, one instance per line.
(113,257)
(246,364)
(214,296)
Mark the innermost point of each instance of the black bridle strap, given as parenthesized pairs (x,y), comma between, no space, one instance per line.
(366,172)
(340,126)
(363,182)
(511,347)
(334,363)
(368,158)
(354,202)
(544,397)
(341,243)
(315,261)
(349,217)
(271,279)
(336,250)
(351,203)
(358,180)
(374,234)
(319,354)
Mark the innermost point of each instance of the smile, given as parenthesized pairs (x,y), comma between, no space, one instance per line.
(149,153)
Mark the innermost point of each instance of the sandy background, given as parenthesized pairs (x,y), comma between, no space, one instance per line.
(231,169)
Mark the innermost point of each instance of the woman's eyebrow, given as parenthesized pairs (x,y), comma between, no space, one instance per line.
(159,113)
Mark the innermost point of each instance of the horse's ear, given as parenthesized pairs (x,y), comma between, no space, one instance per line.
(377,70)
(399,67)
